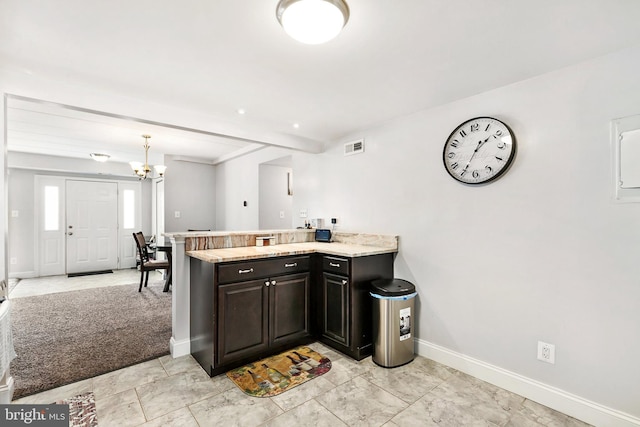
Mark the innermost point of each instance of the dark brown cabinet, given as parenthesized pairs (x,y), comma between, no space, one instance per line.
(346,305)
(244,311)
(335,316)
(243,320)
(247,310)
(259,314)
(289,309)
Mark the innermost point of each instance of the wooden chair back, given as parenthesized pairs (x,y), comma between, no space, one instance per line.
(141,243)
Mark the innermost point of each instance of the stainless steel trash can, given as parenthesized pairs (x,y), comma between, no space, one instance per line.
(393,318)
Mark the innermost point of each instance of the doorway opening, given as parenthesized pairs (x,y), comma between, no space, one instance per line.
(275,194)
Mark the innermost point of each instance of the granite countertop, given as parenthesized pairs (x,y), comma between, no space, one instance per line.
(254,252)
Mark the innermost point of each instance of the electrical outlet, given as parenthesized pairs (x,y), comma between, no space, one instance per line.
(13,261)
(176,214)
(281,214)
(546,352)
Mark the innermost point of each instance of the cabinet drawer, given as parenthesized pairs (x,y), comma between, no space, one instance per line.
(331,264)
(248,270)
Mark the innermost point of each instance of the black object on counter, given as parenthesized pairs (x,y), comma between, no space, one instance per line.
(323,235)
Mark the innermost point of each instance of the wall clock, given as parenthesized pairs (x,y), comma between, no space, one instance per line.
(479,150)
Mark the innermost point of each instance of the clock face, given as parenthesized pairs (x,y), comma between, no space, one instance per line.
(479,150)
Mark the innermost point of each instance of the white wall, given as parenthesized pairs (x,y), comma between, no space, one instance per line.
(4,228)
(22,171)
(541,254)
(189,188)
(21,228)
(274,198)
(237,181)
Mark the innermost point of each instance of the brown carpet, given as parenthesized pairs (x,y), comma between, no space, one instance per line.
(69,336)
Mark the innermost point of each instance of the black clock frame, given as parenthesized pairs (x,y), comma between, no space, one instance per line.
(508,163)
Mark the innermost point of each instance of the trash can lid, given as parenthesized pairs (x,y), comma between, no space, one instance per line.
(392,287)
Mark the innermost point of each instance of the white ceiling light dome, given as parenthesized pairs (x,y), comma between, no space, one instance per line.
(312,21)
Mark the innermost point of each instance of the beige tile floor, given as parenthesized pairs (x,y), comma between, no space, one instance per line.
(178,392)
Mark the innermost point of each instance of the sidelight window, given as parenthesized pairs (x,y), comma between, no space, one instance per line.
(51,208)
(129,209)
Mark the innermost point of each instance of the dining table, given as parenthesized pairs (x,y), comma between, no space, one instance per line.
(167,250)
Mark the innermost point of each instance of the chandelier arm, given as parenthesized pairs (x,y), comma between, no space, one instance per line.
(143,170)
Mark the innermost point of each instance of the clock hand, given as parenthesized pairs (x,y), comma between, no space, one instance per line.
(480,144)
(472,155)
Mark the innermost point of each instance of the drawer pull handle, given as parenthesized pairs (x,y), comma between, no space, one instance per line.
(334,265)
(245,271)
(293,264)
(267,283)
(344,282)
(273,282)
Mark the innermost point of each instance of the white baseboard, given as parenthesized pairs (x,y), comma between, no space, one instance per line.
(6,391)
(23,275)
(560,400)
(179,348)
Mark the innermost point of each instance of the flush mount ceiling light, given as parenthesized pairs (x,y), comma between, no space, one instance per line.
(312,21)
(143,170)
(99,157)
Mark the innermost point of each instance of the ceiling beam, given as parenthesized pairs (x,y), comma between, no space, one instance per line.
(239,132)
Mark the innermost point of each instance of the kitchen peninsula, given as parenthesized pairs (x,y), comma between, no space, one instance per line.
(244,301)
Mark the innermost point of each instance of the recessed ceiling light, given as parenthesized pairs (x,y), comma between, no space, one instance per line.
(296,125)
(241,111)
(99,157)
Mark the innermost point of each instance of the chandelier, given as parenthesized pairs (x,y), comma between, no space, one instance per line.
(312,21)
(142,170)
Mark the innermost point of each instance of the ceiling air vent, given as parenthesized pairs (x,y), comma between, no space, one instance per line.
(354,147)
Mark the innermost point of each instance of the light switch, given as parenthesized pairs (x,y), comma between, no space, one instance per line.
(281,214)
(177,214)
(15,214)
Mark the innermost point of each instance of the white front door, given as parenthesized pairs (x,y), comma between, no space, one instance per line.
(92,226)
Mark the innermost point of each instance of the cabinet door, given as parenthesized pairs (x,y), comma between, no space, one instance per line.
(335,301)
(289,310)
(243,319)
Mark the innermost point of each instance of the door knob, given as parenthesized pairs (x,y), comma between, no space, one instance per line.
(70,233)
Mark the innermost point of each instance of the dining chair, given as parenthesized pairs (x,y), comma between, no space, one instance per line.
(146,263)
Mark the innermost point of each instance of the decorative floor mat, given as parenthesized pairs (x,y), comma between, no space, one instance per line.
(82,410)
(279,373)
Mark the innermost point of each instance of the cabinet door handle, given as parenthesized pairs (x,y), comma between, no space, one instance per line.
(293,264)
(344,282)
(267,283)
(245,271)
(273,282)
(334,265)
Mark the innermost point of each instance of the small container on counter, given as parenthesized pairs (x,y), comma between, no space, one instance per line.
(265,241)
